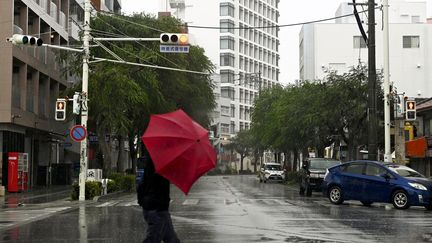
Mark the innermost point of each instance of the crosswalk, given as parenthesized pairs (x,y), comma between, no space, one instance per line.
(11,217)
(214,201)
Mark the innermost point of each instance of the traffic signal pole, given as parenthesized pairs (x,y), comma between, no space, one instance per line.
(386,84)
(372,94)
(84,111)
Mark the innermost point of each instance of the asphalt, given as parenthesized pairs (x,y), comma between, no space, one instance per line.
(36,195)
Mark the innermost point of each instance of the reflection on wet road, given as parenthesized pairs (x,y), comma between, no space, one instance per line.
(223,209)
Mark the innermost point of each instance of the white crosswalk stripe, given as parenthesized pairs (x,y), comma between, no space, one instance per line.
(11,217)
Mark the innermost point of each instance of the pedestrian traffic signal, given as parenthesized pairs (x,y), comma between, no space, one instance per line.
(410,110)
(76,107)
(60,110)
(17,39)
(174,39)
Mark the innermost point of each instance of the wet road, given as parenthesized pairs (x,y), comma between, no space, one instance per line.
(220,209)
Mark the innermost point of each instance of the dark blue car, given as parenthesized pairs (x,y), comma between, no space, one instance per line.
(371,181)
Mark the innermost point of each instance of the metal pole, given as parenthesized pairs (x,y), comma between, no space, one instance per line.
(387,146)
(372,124)
(84,112)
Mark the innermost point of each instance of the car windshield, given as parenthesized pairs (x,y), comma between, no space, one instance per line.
(272,167)
(405,171)
(322,164)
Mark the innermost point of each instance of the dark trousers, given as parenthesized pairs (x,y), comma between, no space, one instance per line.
(159,227)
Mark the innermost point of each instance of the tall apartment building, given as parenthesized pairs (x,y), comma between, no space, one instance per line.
(339,46)
(246,58)
(31,81)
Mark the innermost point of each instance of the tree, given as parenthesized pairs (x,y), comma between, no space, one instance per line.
(242,144)
(122,97)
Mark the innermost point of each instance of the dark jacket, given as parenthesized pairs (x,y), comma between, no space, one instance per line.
(153,190)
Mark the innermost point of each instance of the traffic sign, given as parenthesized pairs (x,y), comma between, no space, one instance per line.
(174,49)
(78,133)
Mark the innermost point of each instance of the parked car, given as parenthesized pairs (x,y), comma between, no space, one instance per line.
(312,174)
(371,181)
(271,172)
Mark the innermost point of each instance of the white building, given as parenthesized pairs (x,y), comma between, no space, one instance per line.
(339,46)
(245,58)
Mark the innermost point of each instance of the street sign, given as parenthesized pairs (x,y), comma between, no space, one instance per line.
(78,133)
(174,49)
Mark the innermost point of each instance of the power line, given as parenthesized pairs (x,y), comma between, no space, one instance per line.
(274,26)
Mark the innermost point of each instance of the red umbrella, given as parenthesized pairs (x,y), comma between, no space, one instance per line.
(179,147)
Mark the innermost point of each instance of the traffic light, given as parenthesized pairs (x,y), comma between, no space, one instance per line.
(410,110)
(17,39)
(174,39)
(60,110)
(76,107)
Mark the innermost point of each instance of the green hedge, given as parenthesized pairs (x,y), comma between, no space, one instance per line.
(92,189)
(120,182)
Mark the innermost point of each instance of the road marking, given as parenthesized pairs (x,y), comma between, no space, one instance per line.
(191,202)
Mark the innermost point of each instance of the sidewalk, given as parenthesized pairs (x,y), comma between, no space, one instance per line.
(36,195)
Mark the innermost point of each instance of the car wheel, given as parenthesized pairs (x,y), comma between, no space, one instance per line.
(302,191)
(428,207)
(265,181)
(366,203)
(335,195)
(400,200)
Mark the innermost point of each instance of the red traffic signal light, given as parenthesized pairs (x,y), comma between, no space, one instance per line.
(60,110)
(410,112)
(174,39)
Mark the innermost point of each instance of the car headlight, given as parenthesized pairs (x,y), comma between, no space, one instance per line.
(418,186)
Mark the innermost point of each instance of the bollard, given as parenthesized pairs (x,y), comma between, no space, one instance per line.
(104,186)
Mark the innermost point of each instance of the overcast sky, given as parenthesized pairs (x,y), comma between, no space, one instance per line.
(290,12)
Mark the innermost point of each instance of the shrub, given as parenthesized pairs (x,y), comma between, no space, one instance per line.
(92,189)
(293,176)
(127,183)
(112,186)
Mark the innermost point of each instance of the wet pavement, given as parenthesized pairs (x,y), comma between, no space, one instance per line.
(219,209)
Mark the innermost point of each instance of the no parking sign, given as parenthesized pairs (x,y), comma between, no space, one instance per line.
(78,133)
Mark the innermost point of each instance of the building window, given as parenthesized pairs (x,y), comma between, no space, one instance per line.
(227,76)
(411,42)
(227,42)
(225,110)
(226,25)
(225,128)
(359,42)
(226,9)
(232,128)
(232,111)
(228,92)
(227,59)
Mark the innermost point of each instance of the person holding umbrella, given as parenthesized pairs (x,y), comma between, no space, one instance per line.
(154,197)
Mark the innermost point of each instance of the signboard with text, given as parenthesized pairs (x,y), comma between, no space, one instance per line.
(174,49)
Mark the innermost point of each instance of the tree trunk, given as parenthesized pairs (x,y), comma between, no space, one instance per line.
(295,151)
(106,151)
(132,152)
(241,162)
(120,163)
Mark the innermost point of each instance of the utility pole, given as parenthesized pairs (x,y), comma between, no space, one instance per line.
(387,144)
(372,123)
(84,112)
